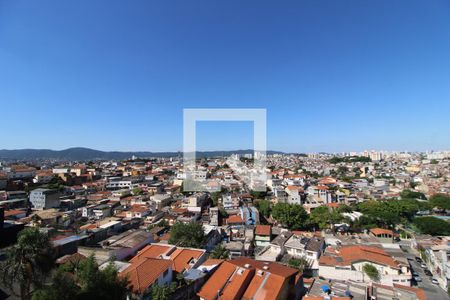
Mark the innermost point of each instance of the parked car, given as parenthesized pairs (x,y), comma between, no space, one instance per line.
(417,279)
(418,259)
(414,273)
(434,281)
(423,266)
(428,273)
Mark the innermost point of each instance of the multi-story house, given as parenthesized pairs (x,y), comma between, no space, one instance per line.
(293,196)
(230,202)
(263,234)
(45,198)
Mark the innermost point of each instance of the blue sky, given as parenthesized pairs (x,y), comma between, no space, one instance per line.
(333,75)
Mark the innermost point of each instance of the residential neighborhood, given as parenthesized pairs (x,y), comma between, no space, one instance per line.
(342,226)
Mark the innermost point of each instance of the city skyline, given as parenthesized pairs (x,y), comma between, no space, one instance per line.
(333,76)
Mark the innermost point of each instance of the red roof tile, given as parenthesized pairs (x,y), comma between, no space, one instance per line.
(144,272)
(263,230)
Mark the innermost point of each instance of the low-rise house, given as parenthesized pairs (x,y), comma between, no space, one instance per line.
(44,176)
(138,211)
(102,211)
(305,247)
(183,259)
(127,244)
(15,214)
(384,235)
(346,263)
(397,291)
(144,273)
(276,248)
(161,200)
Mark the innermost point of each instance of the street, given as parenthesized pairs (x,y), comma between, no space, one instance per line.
(432,291)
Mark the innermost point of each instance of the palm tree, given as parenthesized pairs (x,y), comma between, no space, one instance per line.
(28,262)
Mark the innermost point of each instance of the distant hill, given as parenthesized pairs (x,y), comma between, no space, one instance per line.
(83,154)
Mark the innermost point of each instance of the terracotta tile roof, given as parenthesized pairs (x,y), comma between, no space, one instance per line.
(179,256)
(292,187)
(179,211)
(275,268)
(165,237)
(182,257)
(237,283)
(212,262)
(138,208)
(151,251)
(88,226)
(348,255)
(13,212)
(144,272)
(263,230)
(264,286)
(378,231)
(322,187)
(234,219)
(245,278)
(217,281)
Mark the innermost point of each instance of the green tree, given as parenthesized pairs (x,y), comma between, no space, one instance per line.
(215,198)
(298,263)
(63,287)
(372,272)
(408,194)
(432,225)
(391,212)
(100,284)
(137,191)
(28,262)
(258,195)
(344,208)
(292,216)
(162,292)
(440,201)
(220,252)
(187,235)
(323,217)
(264,207)
(223,213)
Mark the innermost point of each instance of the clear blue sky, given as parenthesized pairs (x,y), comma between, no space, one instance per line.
(333,75)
